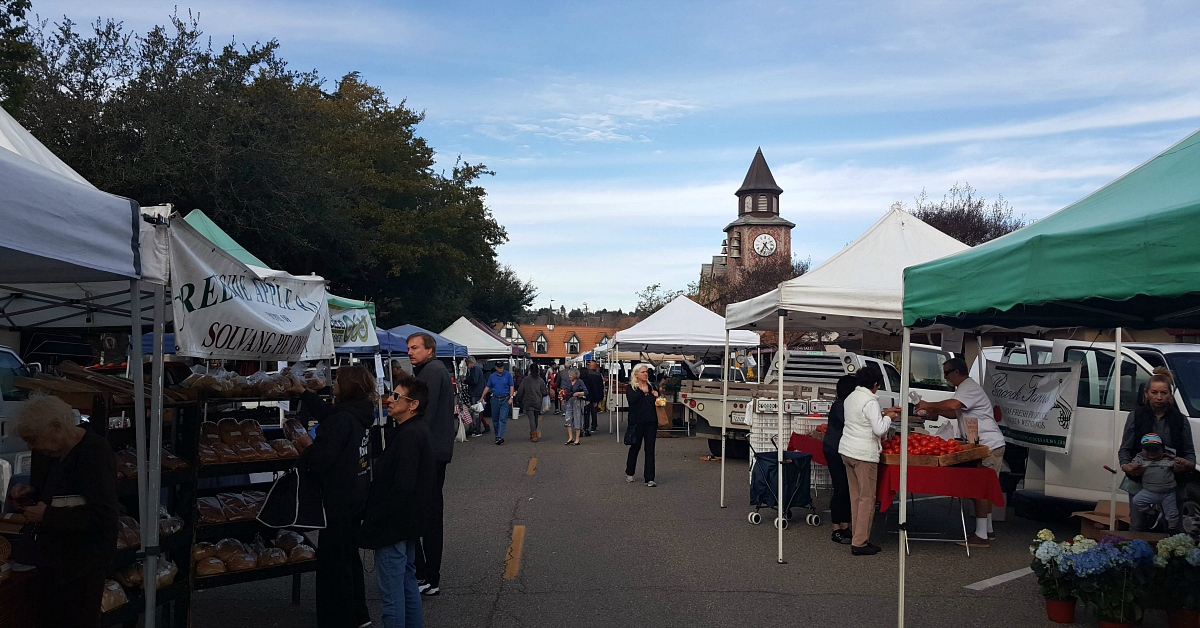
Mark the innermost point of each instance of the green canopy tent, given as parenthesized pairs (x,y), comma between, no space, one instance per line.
(1123,256)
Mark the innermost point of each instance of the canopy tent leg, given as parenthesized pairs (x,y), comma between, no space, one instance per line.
(724,412)
(982,360)
(1119,362)
(905,371)
(617,397)
(780,445)
(155,459)
(139,399)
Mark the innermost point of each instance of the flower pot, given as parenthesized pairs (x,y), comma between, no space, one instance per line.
(1061,611)
(1114,624)
(1182,618)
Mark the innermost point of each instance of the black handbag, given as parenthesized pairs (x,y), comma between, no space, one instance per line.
(294,502)
(629,435)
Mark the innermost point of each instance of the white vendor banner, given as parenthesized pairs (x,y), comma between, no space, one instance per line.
(352,327)
(224,310)
(1036,402)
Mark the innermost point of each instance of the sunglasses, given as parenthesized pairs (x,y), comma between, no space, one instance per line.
(947,371)
(395,396)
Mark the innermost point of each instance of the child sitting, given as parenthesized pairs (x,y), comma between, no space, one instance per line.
(1158,484)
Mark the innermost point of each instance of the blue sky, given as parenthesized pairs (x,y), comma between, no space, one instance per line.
(619,130)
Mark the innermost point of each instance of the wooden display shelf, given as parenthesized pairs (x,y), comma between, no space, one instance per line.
(245,468)
(970,453)
(137,601)
(252,575)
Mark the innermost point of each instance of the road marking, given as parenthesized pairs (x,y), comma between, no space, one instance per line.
(532,466)
(1001,579)
(512,565)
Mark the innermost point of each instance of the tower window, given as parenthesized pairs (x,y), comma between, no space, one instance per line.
(747,206)
(775,204)
(762,203)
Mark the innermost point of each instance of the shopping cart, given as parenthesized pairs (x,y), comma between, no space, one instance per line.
(821,481)
(764,484)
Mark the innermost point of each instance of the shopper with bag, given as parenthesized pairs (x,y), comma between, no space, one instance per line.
(839,502)
(475,382)
(339,459)
(643,423)
(529,397)
(400,507)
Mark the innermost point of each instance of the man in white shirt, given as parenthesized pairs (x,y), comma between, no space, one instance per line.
(977,421)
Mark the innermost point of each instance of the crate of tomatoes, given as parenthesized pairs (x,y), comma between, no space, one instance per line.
(931,451)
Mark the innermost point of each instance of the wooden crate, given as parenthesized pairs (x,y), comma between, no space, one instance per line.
(969,453)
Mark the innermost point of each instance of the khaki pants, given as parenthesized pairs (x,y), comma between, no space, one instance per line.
(861,476)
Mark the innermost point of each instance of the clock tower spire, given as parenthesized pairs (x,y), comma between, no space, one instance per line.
(758,235)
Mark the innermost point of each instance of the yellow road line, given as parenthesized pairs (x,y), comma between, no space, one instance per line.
(512,565)
(532,466)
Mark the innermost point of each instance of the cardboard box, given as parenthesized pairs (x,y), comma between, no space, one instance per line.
(1093,524)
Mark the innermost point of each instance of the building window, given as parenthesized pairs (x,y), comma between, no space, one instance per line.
(762,203)
(775,204)
(573,347)
(746,206)
(539,347)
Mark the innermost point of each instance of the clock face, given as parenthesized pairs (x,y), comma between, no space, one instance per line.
(764,245)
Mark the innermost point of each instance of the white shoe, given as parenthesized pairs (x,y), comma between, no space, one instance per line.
(629,478)
(651,484)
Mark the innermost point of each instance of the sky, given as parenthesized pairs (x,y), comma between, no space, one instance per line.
(619,131)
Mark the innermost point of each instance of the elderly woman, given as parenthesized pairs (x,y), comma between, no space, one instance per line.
(643,422)
(864,425)
(72,506)
(574,401)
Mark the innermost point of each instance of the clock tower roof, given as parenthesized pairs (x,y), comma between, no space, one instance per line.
(758,177)
(751,219)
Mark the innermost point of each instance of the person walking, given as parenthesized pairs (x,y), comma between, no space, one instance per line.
(475,382)
(839,502)
(860,447)
(574,405)
(400,506)
(338,459)
(500,384)
(641,396)
(439,416)
(560,380)
(595,387)
(552,382)
(529,397)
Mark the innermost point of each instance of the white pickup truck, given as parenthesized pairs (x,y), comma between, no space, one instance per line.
(806,375)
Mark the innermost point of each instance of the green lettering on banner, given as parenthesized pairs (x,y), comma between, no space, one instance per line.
(208,296)
(186,299)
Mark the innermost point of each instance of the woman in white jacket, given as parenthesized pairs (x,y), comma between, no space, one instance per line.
(860,449)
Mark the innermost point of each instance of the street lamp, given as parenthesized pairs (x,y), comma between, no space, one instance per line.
(551,317)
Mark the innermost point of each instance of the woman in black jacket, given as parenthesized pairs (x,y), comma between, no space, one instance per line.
(400,508)
(530,393)
(839,503)
(1156,412)
(643,422)
(339,460)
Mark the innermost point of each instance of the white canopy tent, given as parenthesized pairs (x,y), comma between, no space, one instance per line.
(478,342)
(859,288)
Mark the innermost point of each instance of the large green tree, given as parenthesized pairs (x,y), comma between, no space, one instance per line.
(310,179)
(15,53)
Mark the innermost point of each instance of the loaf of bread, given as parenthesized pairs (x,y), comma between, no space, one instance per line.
(203,550)
(301,552)
(244,452)
(284,448)
(271,557)
(128,533)
(236,508)
(171,462)
(114,596)
(263,450)
(227,548)
(241,561)
(210,566)
(127,466)
(130,576)
(231,432)
(224,452)
(210,510)
(287,539)
(166,574)
(208,455)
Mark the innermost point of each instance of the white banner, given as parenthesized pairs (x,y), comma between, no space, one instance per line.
(1036,402)
(225,310)
(352,328)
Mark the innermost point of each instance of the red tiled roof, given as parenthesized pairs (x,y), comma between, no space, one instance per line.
(556,345)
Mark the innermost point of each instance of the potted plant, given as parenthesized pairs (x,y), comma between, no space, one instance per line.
(1177,580)
(1113,576)
(1055,584)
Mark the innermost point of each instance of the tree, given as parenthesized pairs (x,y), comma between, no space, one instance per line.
(653,298)
(715,293)
(15,53)
(965,217)
(501,296)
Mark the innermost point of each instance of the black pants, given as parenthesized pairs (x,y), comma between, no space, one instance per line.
(73,603)
(839,503)
(341,594)
(429,550)
(642,433)
(591,415)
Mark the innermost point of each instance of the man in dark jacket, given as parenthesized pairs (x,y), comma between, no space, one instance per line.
(595,394)
(439,416)
(400,508)
(475,382)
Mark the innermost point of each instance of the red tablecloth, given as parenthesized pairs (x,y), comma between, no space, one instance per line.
(968,482)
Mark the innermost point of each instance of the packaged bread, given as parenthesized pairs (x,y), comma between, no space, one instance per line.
(130,576)
(114,596)
(241,561)
(203,550)
(226,548)
(284,448)
(244,452)
(209,432)
(224,452)
(236,508)
(127,466)
(166,574)
(210,510)
(128,533)
(263,450)
(171,462)
(271,557)
(207,455)
(301,552)
(251,429)
(210,566)
(287,539)
(293,429)
(230,432)
(255,499)
(169,525)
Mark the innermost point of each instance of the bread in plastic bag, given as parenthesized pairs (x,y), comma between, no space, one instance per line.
(287,539)
(245,452)
(209,432)
(255,499)
(228,547)
(129,576)
(114,596)
(301,552)
(225,453)
(263,450)
(210,566)
(171,462)
(127,466)
(128,533)
(241,561)
(236,508)
(208,455)
(231,432)
(210,510)
(166,574)
(203,550)
(284,448)
(271,557)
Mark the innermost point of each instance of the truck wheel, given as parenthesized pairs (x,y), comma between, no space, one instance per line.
(714,447)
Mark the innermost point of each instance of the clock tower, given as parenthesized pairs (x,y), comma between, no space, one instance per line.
(759,235)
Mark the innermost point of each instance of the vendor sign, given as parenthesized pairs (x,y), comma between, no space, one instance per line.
(1036,402)
(352,327)
(223,309)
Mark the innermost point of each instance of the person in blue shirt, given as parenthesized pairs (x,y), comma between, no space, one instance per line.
(500,384)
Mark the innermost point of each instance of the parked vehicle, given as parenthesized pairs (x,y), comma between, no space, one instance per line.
(12,366)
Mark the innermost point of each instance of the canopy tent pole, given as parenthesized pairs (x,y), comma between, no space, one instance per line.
(982,361)
(617,397)
(1118,362)
(905,373)
(780,446)
(155,458)
(724,412)
(139,399)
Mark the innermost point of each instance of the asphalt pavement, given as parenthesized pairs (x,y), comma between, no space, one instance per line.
(598,551)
